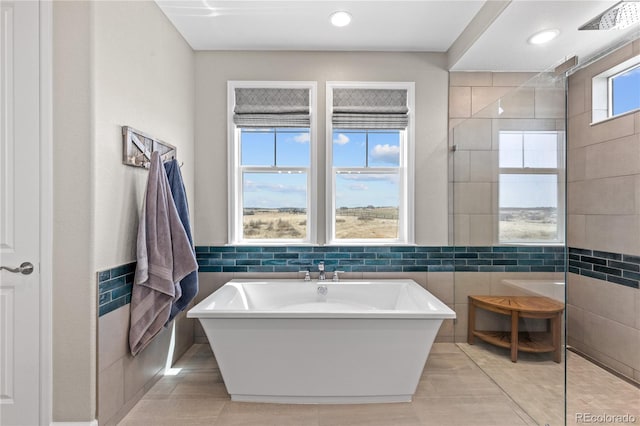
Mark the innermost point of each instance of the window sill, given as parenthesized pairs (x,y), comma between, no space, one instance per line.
(604,120)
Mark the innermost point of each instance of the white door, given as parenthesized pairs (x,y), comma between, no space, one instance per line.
(19,213)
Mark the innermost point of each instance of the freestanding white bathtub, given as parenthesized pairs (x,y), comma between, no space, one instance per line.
(283,341)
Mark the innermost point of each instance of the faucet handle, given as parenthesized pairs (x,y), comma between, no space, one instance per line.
(307,274)
(335,275)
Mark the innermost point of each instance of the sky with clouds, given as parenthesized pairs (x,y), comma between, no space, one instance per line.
(290,148)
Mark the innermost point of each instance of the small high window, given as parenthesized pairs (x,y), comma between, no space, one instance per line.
(625,91)
(616,91)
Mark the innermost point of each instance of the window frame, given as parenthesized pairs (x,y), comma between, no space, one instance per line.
(557,171)
(610,90)
(601,93)
(406,233)
(235,169)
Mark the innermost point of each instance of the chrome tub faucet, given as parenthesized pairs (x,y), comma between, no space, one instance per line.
(322,276)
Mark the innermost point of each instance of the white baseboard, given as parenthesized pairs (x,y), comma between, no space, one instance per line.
(90,423)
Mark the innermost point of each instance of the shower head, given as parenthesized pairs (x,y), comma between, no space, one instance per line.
(621,15)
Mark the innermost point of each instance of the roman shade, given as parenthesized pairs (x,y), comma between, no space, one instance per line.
(271,107)
(370,109)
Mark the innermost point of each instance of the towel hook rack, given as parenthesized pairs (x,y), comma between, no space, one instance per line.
(138,146)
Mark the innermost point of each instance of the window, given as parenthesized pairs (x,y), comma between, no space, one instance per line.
(624,89)
(370,168)
(616,91)
(529,187)
(271,159)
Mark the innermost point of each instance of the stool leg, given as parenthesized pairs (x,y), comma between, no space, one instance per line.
(471,323)
(556,333)
(514,336)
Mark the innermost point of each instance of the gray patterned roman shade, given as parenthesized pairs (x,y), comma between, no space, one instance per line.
(370,109)
(271,107)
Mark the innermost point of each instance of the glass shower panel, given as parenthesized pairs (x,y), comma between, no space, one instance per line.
(507,216)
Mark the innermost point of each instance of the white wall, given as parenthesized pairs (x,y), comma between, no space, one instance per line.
(143,73)
(427,70)
(74,296)
(115,63)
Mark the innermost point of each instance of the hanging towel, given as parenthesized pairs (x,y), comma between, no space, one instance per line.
(164,256)
(188,287)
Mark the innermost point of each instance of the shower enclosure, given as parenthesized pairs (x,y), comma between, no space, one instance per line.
(507,223)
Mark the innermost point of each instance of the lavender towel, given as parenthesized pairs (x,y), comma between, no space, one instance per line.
(164,257)
(188,285)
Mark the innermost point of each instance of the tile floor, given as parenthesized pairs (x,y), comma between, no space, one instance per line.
(453,390)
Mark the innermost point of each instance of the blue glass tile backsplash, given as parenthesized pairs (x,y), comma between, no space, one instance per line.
(114,285)
(380,258)
(616,268)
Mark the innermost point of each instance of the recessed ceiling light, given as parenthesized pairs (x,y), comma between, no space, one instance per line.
(544,36)
(340,18)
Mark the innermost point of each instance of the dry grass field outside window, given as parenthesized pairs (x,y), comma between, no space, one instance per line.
(351,223)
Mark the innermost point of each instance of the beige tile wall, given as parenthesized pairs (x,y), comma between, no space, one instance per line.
(474,124)
(603,214)
(124,379)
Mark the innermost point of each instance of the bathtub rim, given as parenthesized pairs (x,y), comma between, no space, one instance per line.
(443,312)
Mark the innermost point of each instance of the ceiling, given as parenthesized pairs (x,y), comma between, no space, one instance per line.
(477,35)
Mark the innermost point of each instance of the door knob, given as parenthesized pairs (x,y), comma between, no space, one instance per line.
(25,268)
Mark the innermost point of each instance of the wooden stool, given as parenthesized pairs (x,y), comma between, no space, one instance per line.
(517,307)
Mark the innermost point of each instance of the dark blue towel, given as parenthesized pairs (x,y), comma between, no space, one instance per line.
(189,284)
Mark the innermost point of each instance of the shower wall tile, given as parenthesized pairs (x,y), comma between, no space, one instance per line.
(461,223)
(615,233)
(603,298)
(616,128)
(481,229)
(575,321)
(511,79)
(441,284)
(549,102)
(469,283)
(577,169)
(579,131)
(470,79)
(576,230)
(446,331)
(473,134)
(462,320)
(601,357)
(617,157)
(483,97)
(578,96)
(473,198)
(613,339)
(459,102)
(606,196)
(462,169)
(483,166)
